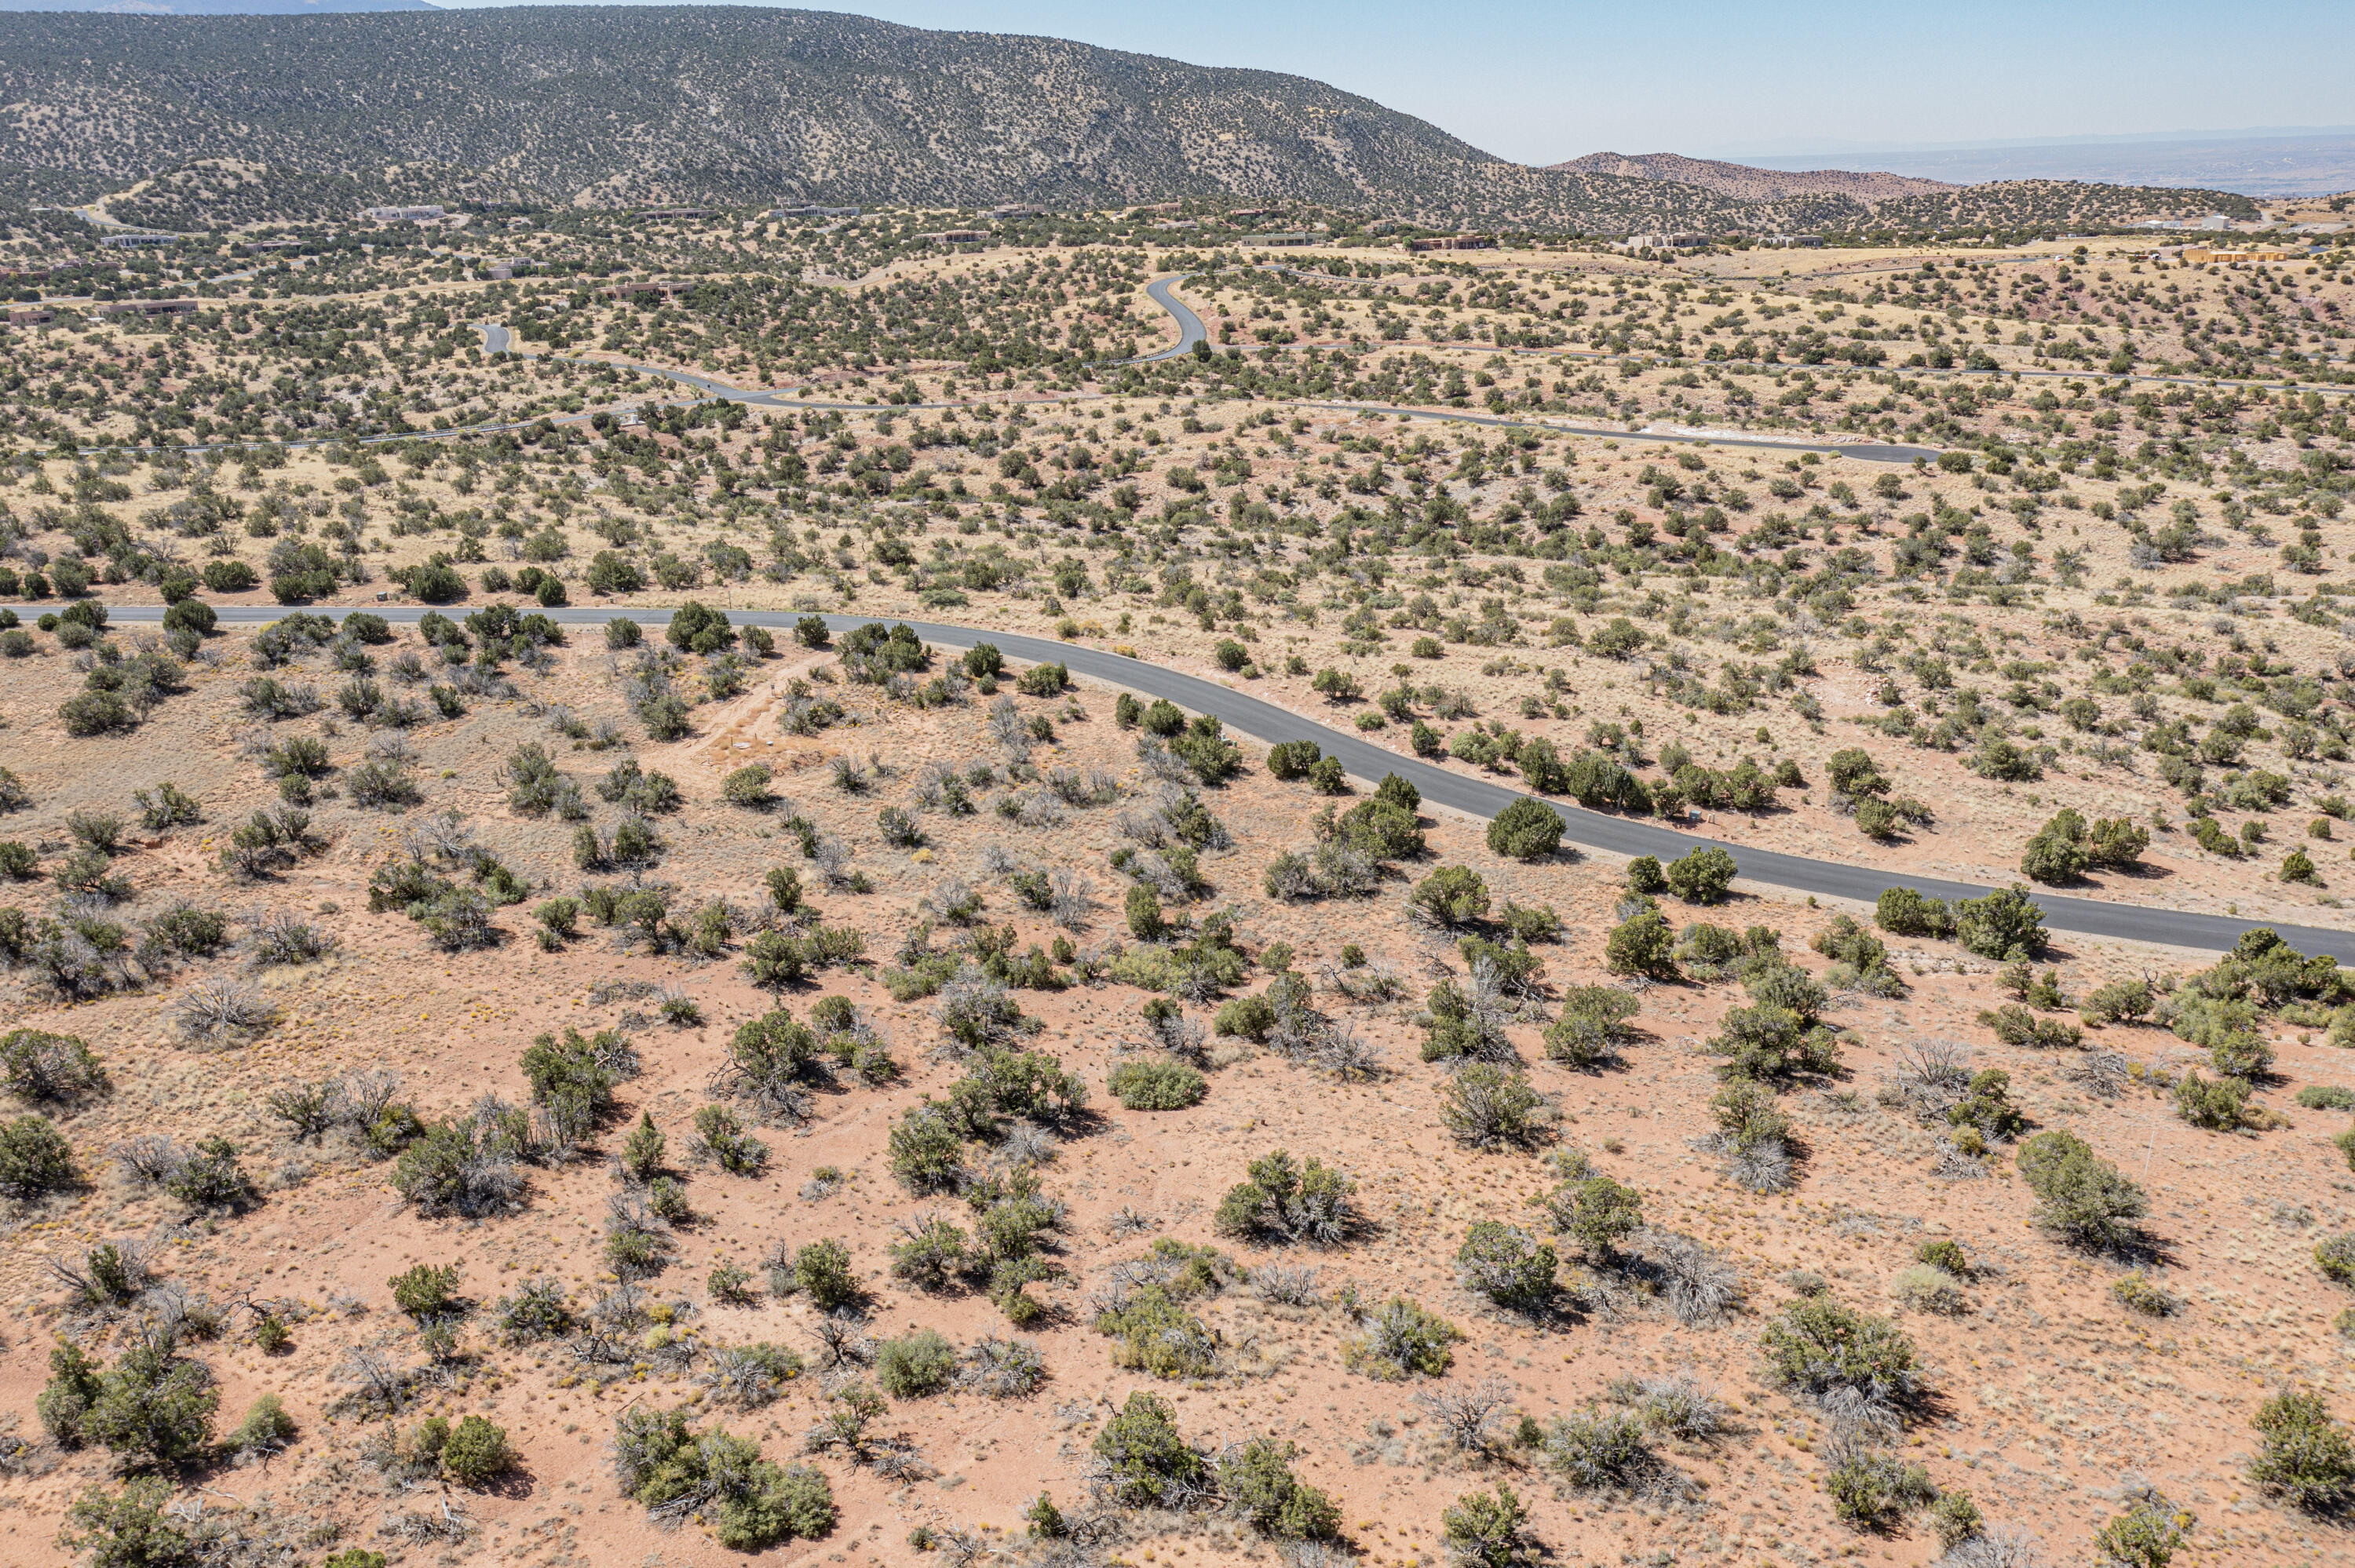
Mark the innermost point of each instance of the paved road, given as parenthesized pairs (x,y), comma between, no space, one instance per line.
(1190,331)
(1618,835)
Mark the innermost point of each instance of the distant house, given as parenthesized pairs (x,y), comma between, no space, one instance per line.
(23,275)
(150,308)
(1242,213)
(808,211)
(1012,214)
(1454,242)
(1800,242)
(1158,209)
(127,241)
(401,214)
(2215,221)
(2202,253)
(264,247)
(957,237)
(1292,237)
(676,212)
(669,291)
(30,315)
(508,266)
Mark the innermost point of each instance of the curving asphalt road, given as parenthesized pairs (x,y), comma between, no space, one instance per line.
(1190,331)
(1266,721)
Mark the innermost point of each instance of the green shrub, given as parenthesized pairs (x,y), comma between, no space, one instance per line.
(2146,1535)
(1593,1026)
(2304,1455)
(750,1502)
(1148,1464)
(1285,1200)
(926,1151)
(1485,1529)
(1250,1017)
(1644,878)
(35,1158)
(153,1407)
(1292,759)
(2135,1293)
(2006,924)
(919,1363)
(1526,829)
(1157,1085)
(1874,1491)
(822,1271)
(131,1528)
(2014,1025)
(1643,944)
(1506,1265)
(747,785)
(476,1451)
(1452,896)
(1258,1480)
(930,1252)
(426,1290)
(2058,853)
(1903,912)
(2334,1257)
(40,1066)
(1596,1212)
(2083,1199)
(2220,1105)
(1157,1335)
(2327,1096)
(1702,876)
(1400,1339)
(1818,1345)
(1487,1107)
(2123,1002)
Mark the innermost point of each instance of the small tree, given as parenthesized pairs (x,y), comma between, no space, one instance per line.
(1597,1213)
(1643,944)
(2304,1455)
(1506,1263)
(476,1451)
(1148,1464)
(1452,896)
(2006,924)
(1702,876)
(2085,1200)
(1487,1529)
(1526,829)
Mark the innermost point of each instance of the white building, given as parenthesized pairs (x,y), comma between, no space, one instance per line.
(400,213)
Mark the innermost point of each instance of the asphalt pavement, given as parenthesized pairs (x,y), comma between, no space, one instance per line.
(1266,721)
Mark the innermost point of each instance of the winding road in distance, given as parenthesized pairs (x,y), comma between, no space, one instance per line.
(498,339)
(1266,721)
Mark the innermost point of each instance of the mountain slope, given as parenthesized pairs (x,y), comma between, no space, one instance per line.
(1746,184)
(610,105)
(218,7)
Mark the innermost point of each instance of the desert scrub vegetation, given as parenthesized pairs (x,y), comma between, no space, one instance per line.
(1401,1339)
(2083,1199)
(751,1503)
(1157,1085)
(1286,1201)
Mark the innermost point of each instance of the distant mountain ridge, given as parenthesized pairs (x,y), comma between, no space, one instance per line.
(217,8)
(235,118)
(1745,182)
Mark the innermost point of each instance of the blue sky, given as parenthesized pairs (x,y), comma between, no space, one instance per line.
(1540,82)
